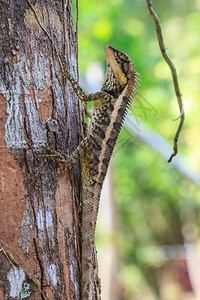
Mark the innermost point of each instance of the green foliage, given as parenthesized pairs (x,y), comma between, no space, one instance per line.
(154,200)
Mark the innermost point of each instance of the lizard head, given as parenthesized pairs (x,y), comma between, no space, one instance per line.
(120,64)
(119,70)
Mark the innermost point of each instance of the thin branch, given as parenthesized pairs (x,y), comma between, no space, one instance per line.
(87,112)
(40,24)
(174,75)
(79,102)
(160,145)
(58,56)
(44,30)
(77,20)
(24,265)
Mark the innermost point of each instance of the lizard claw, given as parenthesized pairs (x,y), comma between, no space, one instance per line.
(56,156)
(88,113)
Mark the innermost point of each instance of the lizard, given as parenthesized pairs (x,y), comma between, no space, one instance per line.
(95,150)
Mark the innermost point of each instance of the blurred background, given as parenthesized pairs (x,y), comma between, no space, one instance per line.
(148,226)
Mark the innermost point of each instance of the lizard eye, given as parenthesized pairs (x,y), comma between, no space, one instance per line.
(126,68)
(121,55)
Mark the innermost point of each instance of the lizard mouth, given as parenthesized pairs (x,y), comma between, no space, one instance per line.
(108,48)
(111,60)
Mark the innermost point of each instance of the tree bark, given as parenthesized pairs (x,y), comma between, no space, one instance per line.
(40,211)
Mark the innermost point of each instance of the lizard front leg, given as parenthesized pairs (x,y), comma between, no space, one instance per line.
(78,90)
(81,94)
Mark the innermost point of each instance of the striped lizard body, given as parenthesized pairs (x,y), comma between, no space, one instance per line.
(94,152)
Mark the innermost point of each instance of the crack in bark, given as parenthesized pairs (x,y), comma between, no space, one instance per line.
(40,265)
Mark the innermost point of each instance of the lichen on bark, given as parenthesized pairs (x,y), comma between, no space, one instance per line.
(40,217)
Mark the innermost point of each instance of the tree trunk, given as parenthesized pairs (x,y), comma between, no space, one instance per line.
(40,211)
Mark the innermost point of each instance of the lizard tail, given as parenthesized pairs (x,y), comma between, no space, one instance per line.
(90,279)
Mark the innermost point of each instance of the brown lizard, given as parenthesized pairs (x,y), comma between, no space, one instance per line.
(94,152)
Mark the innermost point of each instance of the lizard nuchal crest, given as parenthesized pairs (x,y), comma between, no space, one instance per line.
(94,152)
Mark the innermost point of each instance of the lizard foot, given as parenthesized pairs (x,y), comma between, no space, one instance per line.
(56,156)
(88,113)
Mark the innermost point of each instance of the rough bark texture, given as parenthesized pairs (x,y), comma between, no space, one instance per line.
(39,214)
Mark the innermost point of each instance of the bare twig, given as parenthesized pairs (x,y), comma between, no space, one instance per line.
(77,20)
(79,102)
(174,75)
(87,112)
(58,56)
(10,258)
(22,263)
(40,24)
(44,30)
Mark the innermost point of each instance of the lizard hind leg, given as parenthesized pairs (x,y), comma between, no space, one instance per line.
(62,163)
(77,154)
(56,156)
